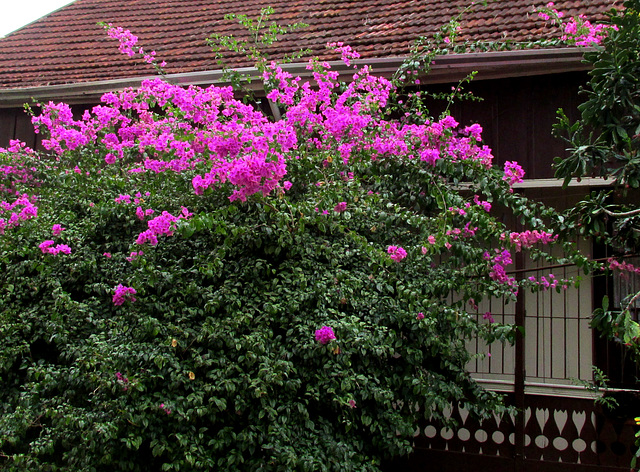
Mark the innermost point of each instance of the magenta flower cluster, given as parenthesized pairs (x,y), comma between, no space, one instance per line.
(325,335)
(625,267)
(513,173)
(238,144)
(485,205)
(498,262)
(160,226)
(133,255)
(527,239)
(47,247)
(122,381)
(123,294)
(340,207)
(584,33)
(467,231)
(487,316)
(549,281)
(17,172)
(396,253)
(348,54)
(22,209)
(126,38)
(128,43)
(57,229)
(577,30)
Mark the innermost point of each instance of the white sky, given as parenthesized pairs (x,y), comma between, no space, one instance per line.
(17,13)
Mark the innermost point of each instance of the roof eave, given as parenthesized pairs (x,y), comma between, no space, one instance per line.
(446,69)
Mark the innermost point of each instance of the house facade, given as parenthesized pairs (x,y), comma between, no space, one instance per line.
(555,425)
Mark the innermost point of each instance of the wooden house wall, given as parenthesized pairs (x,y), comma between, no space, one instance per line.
(16,124)
(517,115)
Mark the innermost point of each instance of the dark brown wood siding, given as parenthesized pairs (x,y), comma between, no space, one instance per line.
(517,116)
(15,123)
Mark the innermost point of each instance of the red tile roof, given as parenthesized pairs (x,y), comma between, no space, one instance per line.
(68,47)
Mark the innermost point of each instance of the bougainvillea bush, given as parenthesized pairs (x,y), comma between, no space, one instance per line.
(188,284)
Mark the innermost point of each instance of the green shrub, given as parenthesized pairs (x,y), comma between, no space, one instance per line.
(200,352)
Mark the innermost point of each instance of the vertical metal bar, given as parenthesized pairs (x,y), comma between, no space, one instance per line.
(541,338)
(550,358)
(565,317)
(594,343)
(519,378)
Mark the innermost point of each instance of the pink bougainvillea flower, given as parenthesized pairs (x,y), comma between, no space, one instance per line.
(57,229)
(123,381)
(513,173)
(160,225)
(420,316)
(134,255)
(63,248)
(347,52)
(528,238)
(484,204)
(325,334)
(123,294)
(47,248)
(126,38)
(340,207)
(184,213)
(123,199)
(147,236)
(430,156)
(28,211)
(396,253)
(487,316)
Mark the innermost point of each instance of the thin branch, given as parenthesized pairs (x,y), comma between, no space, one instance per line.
(622,215)
(632,301)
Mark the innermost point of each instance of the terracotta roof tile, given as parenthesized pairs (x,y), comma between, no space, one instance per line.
(67,46)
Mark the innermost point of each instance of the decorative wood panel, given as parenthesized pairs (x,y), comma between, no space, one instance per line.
(560,434)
